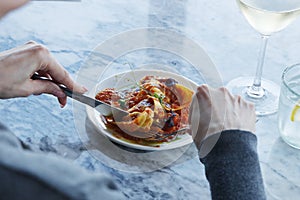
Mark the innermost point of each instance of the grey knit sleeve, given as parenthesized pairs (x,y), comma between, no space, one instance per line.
(29,175)
(232,167)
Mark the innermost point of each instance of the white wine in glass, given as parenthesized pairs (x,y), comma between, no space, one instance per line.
(267,17)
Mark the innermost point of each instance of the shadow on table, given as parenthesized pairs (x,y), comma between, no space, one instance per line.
(282,171)
(133,160)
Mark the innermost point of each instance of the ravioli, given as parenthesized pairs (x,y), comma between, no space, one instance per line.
(157,105)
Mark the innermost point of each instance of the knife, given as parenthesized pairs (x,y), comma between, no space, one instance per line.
(103,108)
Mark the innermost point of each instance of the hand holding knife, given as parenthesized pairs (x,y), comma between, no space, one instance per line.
(102,107)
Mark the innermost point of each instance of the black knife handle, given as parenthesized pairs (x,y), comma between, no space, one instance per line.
(66,90)
(75,95)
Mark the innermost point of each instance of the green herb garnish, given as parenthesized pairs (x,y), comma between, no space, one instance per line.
(122,103)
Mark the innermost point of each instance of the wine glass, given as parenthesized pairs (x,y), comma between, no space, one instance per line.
(267,17)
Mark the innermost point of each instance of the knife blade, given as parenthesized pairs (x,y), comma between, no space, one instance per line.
(103,108)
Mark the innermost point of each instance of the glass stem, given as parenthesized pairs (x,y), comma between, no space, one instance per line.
(256,90)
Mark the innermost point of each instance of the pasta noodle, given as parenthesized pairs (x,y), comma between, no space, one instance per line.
(156,105)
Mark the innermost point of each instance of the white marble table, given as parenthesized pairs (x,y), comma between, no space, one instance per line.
(72,30)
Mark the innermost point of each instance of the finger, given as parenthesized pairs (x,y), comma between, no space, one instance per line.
(60,75)
(194,121)
(203,95)
(50,88)
(38,87)
(225,92)
(49,65)
(194,109)
(62,101)
(203,91)
(64,78)
(238,101)
(253,116)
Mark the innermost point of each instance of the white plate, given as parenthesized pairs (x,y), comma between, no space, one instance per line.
(124,80)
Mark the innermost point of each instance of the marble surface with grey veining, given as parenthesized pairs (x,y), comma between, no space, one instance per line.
(71,30)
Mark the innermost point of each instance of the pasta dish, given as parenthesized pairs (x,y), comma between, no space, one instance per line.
(156,105)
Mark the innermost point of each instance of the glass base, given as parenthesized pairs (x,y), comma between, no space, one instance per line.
(265,105)
(292,142)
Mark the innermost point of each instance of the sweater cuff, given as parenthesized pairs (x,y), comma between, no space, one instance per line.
(223,140)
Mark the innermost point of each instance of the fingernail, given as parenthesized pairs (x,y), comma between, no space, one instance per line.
(59,94)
